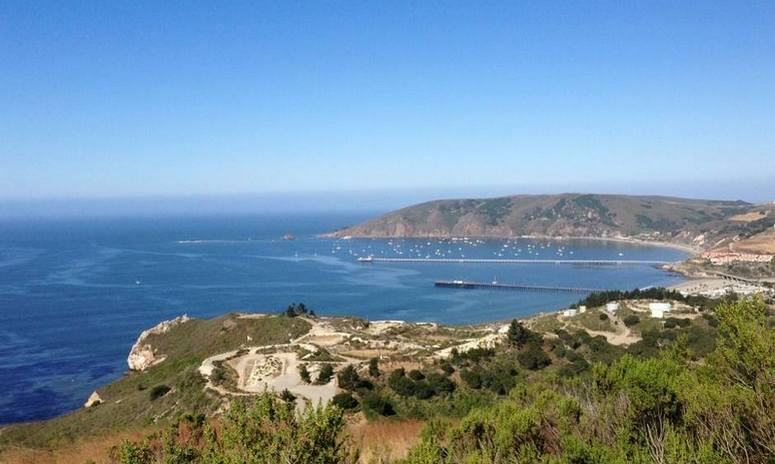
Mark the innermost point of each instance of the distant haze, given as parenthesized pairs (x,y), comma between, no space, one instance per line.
(364,201)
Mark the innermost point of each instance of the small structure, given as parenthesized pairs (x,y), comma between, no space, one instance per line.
(569,313)
(582,309)
(658,310)
(611,307)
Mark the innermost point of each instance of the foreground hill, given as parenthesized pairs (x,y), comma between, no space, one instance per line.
(602,385)
(698,223)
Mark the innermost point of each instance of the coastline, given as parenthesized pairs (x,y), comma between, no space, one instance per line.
(692,250)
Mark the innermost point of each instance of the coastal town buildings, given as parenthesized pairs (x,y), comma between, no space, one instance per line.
(729,257)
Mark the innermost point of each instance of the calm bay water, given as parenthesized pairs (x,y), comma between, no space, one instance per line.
(74,294)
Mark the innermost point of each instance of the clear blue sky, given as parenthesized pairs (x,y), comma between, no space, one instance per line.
(132,98)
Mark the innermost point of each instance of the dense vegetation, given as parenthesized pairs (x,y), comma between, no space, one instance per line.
(600,298)
(263,430)
(664,409)
(579,401)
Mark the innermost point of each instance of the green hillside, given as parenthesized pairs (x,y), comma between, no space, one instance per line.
(699,223)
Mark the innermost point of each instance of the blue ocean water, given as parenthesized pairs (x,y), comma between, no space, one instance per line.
(74,294)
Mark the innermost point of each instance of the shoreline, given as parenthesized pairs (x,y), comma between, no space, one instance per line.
(692,250)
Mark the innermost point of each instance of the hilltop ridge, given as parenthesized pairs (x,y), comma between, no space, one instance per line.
(701,224)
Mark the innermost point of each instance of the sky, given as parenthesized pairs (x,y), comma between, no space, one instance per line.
(388,102)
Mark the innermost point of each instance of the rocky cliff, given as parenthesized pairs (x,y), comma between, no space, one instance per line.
(143,355)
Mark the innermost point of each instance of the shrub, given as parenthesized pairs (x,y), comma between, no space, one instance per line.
(519,336)
(299,309)
(374,367)
(416,375)
(325,374)
(472,377)
(158,391)
(344,401)
(400,383)
(534,358)
(440,384)
(348,378)
(603,316)
(304,373)
(287,396)
(378,404)
(447,368)
(262,430)
(422,390)
(631,320)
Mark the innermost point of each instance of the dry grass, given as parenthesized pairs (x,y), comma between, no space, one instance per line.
(748,217)
(366,354)
(385,440)
(762,243)
(387,367)
(95,449)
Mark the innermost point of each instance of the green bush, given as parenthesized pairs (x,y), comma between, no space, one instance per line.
(631,320)
(533,358)
(262,430)
(158,391)
(416,375)
(440,384)
(325,374)
(348,378)
(378,404)
(374,367)
(344,401)
(400,383)
(304,373)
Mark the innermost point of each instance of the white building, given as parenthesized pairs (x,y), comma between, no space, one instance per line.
(582,309)
(658,310)
(611,307)
(569,312)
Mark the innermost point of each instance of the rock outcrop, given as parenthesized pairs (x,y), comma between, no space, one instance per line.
(142,355)
(94,399)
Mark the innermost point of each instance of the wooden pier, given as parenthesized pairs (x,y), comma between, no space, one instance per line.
(525,288)
(586,262)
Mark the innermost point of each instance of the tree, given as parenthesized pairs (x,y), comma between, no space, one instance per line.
(344,401)
(416,375)
(378,404)
(534,358)
(518,335)
(348,378)
(325,374)
(400,383)
(287,396)
(631,320)
(374,367)
(304,373)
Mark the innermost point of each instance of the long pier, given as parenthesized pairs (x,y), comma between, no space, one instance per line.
(593,262)
(497,286)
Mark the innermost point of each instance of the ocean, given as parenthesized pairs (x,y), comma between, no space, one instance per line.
(75,293)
